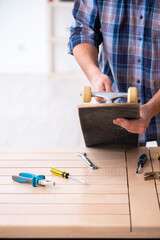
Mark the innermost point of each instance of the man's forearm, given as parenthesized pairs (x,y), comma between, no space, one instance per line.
(87,57)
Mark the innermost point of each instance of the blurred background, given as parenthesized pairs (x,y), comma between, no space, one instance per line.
(40,83)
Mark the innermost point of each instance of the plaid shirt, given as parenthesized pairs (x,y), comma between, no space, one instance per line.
(129,31)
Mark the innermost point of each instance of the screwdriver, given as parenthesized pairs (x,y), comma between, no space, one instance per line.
(158,157)
(65,175)
(142,160)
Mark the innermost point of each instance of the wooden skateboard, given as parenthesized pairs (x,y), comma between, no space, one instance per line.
(97,119)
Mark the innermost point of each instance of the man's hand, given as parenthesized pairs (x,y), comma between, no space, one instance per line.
(87,56)
(138,125)
(101,83)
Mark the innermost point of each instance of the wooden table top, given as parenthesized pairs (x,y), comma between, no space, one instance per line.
(116,202)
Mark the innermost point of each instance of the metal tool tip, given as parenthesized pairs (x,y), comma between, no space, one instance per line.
(83,182)
(95,167)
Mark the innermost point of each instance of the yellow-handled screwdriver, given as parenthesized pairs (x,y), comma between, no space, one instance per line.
(65,175)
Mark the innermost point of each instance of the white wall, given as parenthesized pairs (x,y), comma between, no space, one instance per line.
(23,36)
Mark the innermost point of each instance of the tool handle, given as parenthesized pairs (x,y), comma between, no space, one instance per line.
(59,173)
(30,175)
(87,160)
(27,175)
(142,159)
(22,179)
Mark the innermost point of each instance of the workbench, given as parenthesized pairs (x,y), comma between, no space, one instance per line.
(115,203)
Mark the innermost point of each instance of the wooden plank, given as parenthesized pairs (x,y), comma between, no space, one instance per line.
(100,207)
(60,209)
(92,180)
(98,189)
(60,163)
(144,206)
(63,226)
(63,198)
(155,162)
(114,172)
(60,150)
(36,156)
(158,188)
(106,154)
(97,124)
(117,180)
(68,232)
(156,167)
(109,105)
(157,182)
(118,222)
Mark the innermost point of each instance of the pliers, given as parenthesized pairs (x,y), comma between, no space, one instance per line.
(33,179)
(151,175)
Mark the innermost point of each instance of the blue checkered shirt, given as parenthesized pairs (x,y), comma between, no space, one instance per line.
(128,33)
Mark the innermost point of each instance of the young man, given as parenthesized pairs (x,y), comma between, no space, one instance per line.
(129,34)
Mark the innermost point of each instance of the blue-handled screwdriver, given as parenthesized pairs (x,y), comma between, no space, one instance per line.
(142,160)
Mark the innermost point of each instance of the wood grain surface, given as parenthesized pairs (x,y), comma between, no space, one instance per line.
(115,203)
(97,124)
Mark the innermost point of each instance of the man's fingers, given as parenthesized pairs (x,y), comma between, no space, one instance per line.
(124,124)
(104,88)
(133,126)
(127,124)
(108,85)
(101,100)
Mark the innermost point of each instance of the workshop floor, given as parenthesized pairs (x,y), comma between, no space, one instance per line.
(39,111)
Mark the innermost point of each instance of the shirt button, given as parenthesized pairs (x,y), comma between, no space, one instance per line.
(140,39)
(141,17)
(139,60)
(139,100)
(138,81)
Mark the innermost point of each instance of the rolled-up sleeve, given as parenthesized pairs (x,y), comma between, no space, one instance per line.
(86,25)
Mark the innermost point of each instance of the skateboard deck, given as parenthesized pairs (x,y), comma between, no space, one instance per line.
(97,124)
